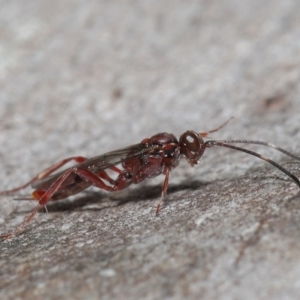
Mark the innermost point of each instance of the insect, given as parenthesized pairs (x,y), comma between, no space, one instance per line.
(156,155)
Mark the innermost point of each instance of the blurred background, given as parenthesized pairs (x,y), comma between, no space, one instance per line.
(94,76)
(87,77)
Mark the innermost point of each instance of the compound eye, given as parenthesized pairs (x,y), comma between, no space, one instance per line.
(191,140)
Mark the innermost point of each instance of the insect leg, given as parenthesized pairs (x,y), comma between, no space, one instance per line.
(84,174)
(164,191)
(105,176)
(21,227)
(45,173)
(115,169)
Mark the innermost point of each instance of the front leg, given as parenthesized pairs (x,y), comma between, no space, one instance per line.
(164,191)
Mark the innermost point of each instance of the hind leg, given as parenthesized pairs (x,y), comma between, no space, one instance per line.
(45,173)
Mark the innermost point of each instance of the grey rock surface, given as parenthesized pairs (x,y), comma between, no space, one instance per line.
(87,77)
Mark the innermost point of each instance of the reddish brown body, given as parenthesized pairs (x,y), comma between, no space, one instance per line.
(164,156)
(156,155)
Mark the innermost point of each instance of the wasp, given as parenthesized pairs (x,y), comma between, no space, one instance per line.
(154,156)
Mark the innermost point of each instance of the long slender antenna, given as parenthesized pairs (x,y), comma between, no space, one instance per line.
(256,143)
(205,134)
(225,143)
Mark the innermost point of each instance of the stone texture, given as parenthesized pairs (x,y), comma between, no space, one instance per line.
(87,77)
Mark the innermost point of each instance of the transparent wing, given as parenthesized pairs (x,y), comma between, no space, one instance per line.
(99,163)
